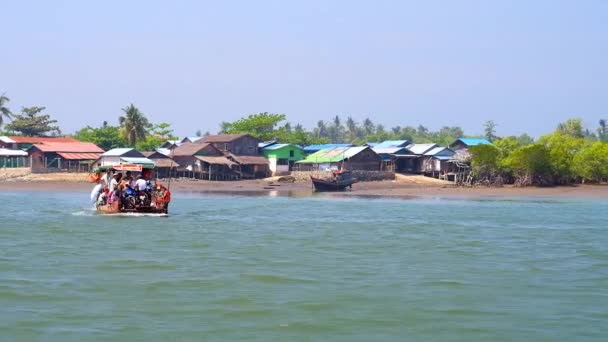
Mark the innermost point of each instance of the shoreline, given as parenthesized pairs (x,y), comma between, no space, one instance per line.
(380,189)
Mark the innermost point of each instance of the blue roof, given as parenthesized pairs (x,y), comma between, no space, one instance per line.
(319,147)
(393,143)
(474,141)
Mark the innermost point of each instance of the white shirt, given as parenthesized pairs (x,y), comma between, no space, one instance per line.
(113,184)
(141,184)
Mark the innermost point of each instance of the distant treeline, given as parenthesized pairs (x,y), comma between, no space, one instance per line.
(568,155)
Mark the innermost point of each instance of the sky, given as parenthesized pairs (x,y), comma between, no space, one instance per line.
(527,65)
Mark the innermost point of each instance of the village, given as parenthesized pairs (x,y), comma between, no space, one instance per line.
(231,157)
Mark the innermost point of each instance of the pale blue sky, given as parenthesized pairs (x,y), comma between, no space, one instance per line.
(525,64)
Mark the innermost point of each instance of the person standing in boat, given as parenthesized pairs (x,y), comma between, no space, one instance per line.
(114,190)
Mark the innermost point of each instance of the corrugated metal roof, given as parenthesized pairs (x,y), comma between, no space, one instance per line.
(73,147)
(332,155)
(222,138)
(319,147)
(443,157)
(165,163)
(249,160)
(164,151)
(219,160)
(473,141)
(420,148)
(391,150)
(40,140)
(266,143)
(117,152)
(136,160)
(7,140)
(190,149)
(79,156)
(279,146)
(15,153)
(393,143)
(443,151)
(192,139)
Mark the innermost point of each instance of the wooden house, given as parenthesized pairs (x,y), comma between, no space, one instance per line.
(435,162)
(250,166)
(118,156)
(10,158)
(64,156)
(397,159)
(165,167)
(203,161)
(361,158)
(282,157)
(237,144)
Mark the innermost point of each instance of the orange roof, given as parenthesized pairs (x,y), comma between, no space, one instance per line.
(79,156)
(72,147)
(39,140)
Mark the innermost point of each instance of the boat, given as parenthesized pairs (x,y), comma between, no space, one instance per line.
(154,201)
(340,181)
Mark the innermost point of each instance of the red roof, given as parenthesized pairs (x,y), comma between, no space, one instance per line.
(38,140)
(72,147)
(79,156)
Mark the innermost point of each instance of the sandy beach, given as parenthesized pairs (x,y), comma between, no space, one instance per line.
(402,187)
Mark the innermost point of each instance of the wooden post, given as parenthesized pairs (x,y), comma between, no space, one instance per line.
(209,171)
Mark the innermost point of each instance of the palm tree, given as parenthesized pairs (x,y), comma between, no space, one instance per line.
(4,111)
(134,125)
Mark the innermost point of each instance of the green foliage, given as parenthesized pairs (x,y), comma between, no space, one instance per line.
(107,137)
(562,148)
(572,127)
(591,162)
(163,131)
(4,111)
(134,125)
(531,165)
(485,161)
(31,123)
(261,125)
(265,126)
(150,143)
(489,129)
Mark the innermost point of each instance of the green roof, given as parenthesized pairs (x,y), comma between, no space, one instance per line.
(332,155)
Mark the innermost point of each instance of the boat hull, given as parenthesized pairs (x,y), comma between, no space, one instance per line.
(332,185)
(114,208)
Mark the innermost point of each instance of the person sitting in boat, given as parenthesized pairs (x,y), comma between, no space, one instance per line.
(114,190)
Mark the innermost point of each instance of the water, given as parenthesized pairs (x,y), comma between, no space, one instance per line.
(224,268)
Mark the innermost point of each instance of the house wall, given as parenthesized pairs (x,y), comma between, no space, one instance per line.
(244,146)
(284,153)
(109,160)
(366,160)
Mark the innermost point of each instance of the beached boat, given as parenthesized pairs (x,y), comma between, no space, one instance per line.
(155,200)
(340,181)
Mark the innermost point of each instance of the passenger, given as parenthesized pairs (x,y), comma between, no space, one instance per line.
(127,181)
(141,183)
(114,191)
(105,180)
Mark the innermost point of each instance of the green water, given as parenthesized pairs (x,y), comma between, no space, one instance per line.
(225,268)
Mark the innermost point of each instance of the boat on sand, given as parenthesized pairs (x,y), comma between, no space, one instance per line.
(339,181)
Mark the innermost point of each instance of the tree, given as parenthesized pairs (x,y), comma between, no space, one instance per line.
(562,148)
(531,165)
(107,137)
(4,111)
(485,162)
(489,129)
(134,125)
(368,126)
(163,131)
(31,123)
(199,133)
(602,131)
(591,162)
(261,125)
(150,143)
(572,127)
(524,139)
